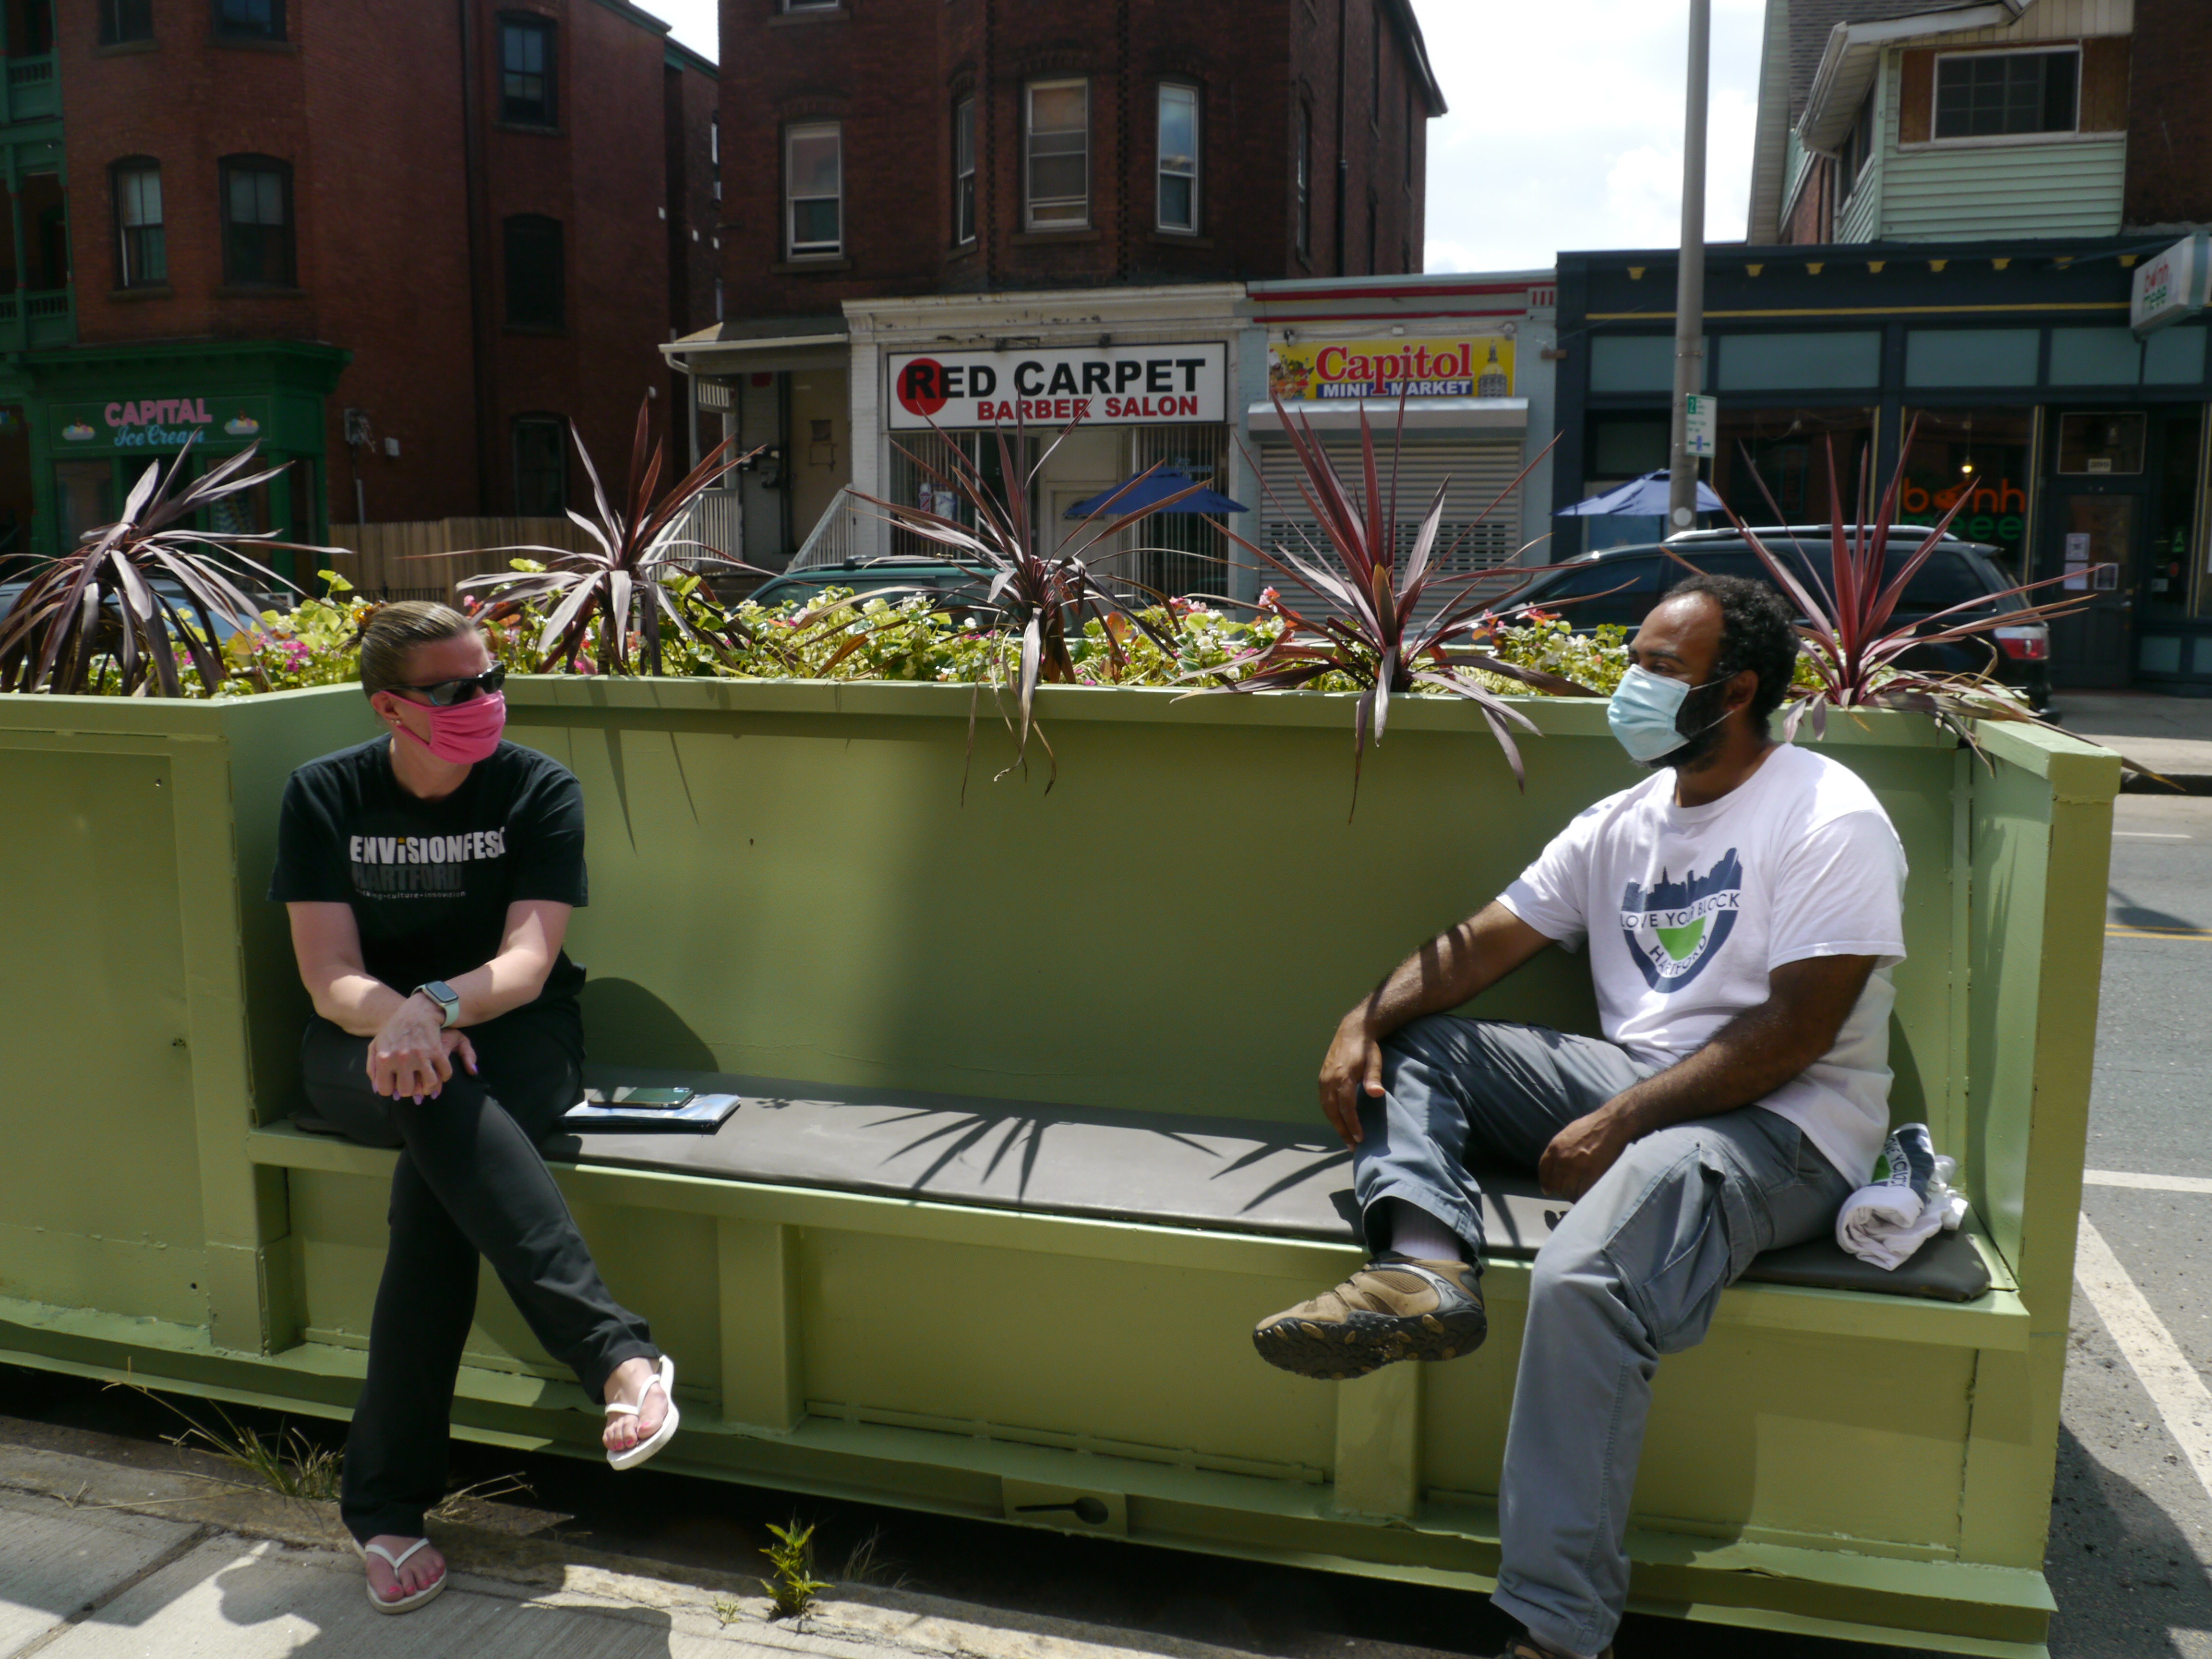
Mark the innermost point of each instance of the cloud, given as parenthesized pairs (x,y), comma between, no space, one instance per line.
(1565,129)
(694,22)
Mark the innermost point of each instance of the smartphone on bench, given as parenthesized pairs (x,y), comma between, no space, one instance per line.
(643,1099)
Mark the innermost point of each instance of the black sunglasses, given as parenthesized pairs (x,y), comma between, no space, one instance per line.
(446,693)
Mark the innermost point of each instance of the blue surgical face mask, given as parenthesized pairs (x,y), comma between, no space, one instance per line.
(1643,713)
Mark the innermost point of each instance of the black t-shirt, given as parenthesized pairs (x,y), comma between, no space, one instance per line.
(430,881)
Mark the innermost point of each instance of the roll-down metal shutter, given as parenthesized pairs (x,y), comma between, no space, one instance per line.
(1476,470)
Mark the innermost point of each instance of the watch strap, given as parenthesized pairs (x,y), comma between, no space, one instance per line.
(449,1005)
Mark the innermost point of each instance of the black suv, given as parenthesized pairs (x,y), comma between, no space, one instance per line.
(1621,584)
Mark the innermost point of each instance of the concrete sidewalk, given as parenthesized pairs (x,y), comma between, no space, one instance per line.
(100,1560)
(2171,736)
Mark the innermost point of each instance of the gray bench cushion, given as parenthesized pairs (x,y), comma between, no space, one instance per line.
(1237,1175)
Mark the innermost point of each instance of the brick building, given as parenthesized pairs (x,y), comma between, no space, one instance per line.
(883,151)
(400,246)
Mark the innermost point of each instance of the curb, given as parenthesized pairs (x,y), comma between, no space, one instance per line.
(505,1560)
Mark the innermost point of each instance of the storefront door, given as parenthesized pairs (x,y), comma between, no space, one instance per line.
(2093,524)
(2094,536)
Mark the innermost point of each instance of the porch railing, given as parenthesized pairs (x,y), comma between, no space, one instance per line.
(31,91)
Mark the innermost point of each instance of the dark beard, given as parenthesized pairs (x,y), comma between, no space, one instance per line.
(1700,715)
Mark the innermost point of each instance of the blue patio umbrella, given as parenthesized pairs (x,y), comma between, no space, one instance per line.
(1133,495)
(1644,497)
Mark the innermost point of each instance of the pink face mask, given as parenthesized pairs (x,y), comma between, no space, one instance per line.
(463,732)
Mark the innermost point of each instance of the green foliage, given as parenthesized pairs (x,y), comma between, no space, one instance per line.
(288,1463)
(839,636)
(791,1585)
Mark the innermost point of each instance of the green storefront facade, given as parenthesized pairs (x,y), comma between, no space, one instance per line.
(96,416)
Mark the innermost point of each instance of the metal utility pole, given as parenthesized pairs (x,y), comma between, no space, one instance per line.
(1690,285)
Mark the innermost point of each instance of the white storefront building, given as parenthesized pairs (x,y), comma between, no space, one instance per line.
(1088,387)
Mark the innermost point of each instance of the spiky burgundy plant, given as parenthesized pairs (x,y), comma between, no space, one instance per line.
(634,578)
(1376,629)
(1044,598)
(98,602)
(1854,642)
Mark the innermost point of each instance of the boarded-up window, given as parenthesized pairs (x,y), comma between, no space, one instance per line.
(2104,84)
(1915,98)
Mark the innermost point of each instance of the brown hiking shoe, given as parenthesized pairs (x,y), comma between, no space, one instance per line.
(1392,1309)
(1525,1647)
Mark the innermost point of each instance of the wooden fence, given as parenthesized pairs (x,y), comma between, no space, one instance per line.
(423,558)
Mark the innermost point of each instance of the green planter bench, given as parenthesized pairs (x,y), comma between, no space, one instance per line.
(1060,1052)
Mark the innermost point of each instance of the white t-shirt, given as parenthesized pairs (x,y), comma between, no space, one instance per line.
(1692,907)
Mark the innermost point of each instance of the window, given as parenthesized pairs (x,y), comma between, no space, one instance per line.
(525,71)
(541,466)
(125,20)
(1988,94)
(811,5)
(257,222)
(536,293)
(1302,172)
(249,19)
(1059,154)
(964,170)
(814,189)
(1178,207)
(1858,146)
(142,260)
(31,28)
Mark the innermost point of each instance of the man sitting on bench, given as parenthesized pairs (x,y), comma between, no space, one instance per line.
(1743,910)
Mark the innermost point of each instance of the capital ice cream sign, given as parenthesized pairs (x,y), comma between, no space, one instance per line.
(154,423)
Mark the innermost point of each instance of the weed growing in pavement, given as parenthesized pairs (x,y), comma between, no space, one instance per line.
(288,1463)
(727,1611)
(490,1490)
(793,1586)
(867,1563)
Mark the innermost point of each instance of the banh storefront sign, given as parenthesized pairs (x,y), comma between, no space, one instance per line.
(2172,286)
(1055,387)
(1315,371)
(152,423)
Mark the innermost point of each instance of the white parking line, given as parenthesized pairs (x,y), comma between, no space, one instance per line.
(2148,1183)
(2183,1402)
(2147,834)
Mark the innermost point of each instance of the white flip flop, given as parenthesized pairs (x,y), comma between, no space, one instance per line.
(406,1603)
(665,1380)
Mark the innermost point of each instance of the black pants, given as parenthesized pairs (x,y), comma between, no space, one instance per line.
(469,1183)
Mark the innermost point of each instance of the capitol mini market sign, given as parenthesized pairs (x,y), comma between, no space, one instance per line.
(1055,387)
(1317,371)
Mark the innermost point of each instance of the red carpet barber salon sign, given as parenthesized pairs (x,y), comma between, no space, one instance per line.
(1099,386)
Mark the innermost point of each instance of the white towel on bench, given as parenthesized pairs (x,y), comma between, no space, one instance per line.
(1886,1222)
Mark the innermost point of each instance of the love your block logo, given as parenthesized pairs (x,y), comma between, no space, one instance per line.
(1673,928)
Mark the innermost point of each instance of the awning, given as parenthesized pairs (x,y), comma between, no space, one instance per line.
(1146,488)
(1645,497)
(761,345)
(1422,415)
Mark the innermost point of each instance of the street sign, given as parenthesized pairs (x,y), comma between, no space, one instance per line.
(2171,286)
(1701,425)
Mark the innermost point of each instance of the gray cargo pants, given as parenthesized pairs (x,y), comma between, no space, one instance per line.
(1633,1273)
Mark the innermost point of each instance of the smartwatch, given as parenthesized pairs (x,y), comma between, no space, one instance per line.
(447,999)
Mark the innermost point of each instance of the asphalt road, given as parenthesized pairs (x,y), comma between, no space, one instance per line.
(2130,1556)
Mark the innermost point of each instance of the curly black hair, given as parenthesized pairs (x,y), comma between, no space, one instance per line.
(1758,632)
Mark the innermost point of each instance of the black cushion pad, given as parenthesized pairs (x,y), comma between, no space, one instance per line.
(1236,1174)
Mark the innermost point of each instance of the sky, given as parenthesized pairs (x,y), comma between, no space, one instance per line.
(1565,129)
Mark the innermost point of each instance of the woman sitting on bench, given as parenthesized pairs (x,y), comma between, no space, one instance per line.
(430,873)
